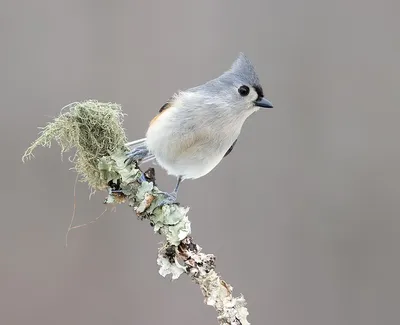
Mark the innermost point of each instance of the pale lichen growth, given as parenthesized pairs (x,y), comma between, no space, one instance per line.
(201,268)
(94,129)
(166,267)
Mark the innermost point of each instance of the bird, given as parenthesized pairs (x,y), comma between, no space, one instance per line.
(198,127)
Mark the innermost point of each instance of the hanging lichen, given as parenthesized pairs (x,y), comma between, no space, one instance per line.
(94,129)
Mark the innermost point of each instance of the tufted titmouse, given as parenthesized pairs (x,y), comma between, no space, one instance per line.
(198,127)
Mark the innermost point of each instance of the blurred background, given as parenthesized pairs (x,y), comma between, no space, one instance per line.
(303,216)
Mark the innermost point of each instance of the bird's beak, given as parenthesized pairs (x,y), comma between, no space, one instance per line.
(263,102)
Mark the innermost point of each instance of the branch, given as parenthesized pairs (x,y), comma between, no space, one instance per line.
(95,130)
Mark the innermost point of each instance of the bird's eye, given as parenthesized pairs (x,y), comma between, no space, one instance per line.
(244,90)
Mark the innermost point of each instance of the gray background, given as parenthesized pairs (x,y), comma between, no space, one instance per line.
(312,240)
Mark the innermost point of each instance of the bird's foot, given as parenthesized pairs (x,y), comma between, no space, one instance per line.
(136,154)
(169,198)
(142,178)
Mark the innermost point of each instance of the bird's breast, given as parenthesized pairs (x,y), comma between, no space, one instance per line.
(186,147)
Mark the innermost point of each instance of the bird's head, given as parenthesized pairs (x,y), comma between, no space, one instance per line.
(237,89)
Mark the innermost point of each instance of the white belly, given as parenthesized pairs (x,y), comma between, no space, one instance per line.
(190,155)
(188,168)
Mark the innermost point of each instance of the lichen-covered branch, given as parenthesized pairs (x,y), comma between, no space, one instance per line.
(95,131)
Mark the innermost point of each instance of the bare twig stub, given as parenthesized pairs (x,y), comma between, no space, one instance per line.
(95,131)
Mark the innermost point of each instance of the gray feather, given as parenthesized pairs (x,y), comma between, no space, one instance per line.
(244,70)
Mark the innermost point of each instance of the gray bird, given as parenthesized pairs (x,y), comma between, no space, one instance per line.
(199,126)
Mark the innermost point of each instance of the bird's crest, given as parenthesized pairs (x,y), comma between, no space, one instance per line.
(243,69)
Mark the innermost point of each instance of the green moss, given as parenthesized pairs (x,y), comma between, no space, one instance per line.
(94,129)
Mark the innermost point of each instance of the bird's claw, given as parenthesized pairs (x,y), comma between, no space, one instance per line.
(169,198)
(136,155)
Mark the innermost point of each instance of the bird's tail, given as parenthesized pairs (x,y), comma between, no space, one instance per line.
(139,151)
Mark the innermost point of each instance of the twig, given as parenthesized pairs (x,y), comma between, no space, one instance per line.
(180,254)
(95,130)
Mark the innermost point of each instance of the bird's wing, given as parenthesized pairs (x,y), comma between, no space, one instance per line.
(163,108)
(230,148)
